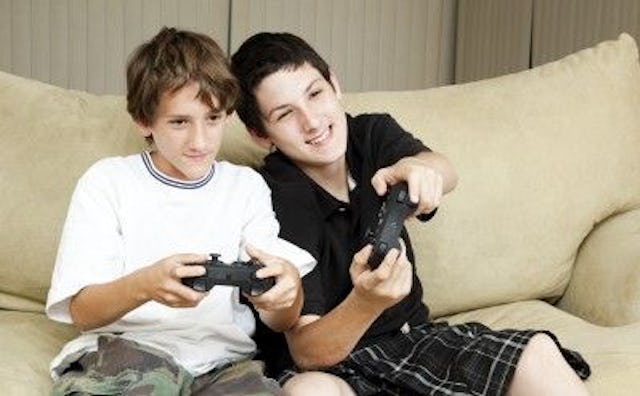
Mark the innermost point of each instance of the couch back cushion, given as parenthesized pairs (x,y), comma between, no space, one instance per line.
(542,155)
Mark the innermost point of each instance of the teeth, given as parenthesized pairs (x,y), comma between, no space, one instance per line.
(319,139)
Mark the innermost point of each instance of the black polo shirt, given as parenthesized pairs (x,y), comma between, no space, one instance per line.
(333,231)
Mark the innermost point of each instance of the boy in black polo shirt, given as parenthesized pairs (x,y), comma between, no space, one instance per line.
(327,175)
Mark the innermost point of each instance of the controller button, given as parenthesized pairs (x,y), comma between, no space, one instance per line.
(402,196)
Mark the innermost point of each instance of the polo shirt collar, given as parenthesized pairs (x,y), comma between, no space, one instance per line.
(289,176)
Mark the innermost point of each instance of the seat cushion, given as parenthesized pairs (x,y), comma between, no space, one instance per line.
(28,342)
(612,352)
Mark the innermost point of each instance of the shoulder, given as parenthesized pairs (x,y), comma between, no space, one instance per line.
(367,131)
(279,169)
(111,170)
(229,170)
(238,176)
(368,122)
(291,190)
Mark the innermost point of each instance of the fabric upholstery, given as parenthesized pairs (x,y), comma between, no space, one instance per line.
(542,156)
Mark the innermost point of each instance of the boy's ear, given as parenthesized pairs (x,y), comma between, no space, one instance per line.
(336,84)
(143,130)
(262,141)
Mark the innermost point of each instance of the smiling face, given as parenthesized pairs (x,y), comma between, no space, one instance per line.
(303,117)
(187,134)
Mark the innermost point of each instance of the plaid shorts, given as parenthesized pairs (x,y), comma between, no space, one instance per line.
(438,359)
(123,367)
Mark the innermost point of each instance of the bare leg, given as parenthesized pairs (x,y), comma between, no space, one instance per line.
(542,370)
(317,383)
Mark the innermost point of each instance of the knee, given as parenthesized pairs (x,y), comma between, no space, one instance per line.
(316,383)
(542,370)
(540,352)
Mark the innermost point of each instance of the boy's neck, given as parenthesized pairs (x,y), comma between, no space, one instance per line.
(332,178)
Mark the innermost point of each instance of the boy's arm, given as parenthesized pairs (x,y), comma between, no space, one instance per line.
(283,319)
(429,175)
(322,341)
(98,305)
(279,307)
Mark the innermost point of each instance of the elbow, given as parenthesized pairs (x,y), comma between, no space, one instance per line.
(79,318)
(316,359)
(78,322)
(311,362)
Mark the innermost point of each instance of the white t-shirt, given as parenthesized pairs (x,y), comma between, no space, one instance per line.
(125,215)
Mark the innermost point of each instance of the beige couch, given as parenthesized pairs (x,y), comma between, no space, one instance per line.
(543,230)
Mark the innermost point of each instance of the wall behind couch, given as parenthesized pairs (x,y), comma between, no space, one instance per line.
(372,44)
(495,37)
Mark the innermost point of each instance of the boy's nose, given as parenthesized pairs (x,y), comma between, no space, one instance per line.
(198,136)
(310,120)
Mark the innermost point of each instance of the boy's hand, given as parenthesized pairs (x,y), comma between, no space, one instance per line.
(161,282)
(425,183)
(386,285)
(287,287)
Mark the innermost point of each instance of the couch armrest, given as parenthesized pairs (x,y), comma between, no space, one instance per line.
(605,284)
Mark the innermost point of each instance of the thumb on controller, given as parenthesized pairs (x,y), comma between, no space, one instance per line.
(264,258)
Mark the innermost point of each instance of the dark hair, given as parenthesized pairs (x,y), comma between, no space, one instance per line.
(262,55)
(169,61)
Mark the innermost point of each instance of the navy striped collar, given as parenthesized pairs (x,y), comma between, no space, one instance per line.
(170,181)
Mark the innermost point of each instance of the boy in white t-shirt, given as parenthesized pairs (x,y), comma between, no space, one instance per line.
(137,224)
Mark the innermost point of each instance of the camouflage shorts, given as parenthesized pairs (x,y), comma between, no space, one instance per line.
(123,367)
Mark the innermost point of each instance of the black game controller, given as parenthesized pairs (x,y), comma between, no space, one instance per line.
(239,273)
(391,216)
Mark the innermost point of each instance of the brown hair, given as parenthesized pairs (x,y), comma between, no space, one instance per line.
(169,61)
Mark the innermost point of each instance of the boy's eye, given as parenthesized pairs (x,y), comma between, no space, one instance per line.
(315,93)
(215,117)
(178,122)
(282,115)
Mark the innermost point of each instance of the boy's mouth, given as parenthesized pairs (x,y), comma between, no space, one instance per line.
(321,138)
(197,157)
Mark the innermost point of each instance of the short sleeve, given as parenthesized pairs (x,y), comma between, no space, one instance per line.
(90,249)
(389,141)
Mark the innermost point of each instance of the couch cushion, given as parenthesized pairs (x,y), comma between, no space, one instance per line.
(28,342)
(542,156)
(51,135)
(612,352)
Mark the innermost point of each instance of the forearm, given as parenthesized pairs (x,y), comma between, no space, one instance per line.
(283,319)
(441,164)
(329,339)
(95,305)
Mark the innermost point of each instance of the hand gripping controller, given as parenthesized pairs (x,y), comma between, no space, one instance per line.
(239,273)
(391,216)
